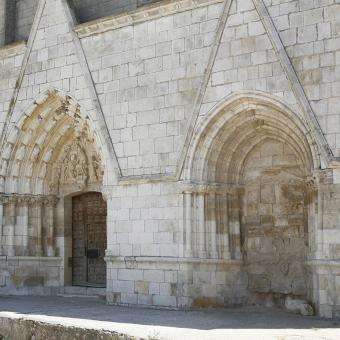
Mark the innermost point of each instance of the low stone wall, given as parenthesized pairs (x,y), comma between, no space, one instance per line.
(23,329)
(175,282)
(25,275)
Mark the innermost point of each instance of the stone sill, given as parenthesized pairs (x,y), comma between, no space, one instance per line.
(145,13)
(12,49)
(143,259)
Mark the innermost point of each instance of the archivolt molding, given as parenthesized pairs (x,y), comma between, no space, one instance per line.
(52,132)
(237,124)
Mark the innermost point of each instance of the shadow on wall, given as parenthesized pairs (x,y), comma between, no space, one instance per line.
(87,10)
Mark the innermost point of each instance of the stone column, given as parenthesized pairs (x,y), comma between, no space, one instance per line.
(9,227)
(188,223)
(50,204)
(234,223)
(21,226)
(37,206)
(213,225)
(223,229)
(202,251)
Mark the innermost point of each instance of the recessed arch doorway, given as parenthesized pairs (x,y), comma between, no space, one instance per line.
(249,196)
(53,154)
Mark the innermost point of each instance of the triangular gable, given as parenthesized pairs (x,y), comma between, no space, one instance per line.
(246,42)
(54,59)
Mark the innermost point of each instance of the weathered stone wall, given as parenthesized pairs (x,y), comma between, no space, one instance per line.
(10,63)
(143,220)
(310,33)
(192,87)
(84,10)
(274,226)
(326,271)
(176,283)
(30,275)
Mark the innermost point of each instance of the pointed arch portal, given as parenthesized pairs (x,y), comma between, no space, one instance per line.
(249,194)
(52,169)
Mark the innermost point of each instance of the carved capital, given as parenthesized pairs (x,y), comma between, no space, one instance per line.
(24,199)
(50,201)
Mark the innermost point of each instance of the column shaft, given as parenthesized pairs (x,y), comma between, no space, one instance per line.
(10,228)
(224,230)
(188,223)
(24,219)
(38,216)
(213,226)
(50,251)
(201,225)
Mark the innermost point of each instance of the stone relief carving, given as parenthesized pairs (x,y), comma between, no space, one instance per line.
(79,162)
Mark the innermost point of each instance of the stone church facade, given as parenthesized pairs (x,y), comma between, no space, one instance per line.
(175,153)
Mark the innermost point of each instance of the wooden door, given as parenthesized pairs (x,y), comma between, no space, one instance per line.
(89,239)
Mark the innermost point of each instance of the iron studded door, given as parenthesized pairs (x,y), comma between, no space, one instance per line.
(89,239)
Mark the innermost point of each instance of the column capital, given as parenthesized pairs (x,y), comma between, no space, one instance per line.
(50,201)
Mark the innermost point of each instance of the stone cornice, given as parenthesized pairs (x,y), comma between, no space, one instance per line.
(161,259)
(145,13)
(12,49)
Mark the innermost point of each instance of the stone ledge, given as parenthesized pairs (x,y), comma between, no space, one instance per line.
(324,263)
(159,259)
(41,259)
(151,12)
(12,49)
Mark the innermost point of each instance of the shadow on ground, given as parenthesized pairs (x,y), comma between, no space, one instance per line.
(98,310)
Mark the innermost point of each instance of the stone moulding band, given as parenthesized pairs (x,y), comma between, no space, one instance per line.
(175,260)
(151,12)
(42,259)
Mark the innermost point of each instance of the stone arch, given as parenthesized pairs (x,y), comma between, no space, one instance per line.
(50,153)
(35,139)
(236,116)
(247,192)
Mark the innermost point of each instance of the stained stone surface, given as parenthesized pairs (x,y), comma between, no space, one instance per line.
(274,233)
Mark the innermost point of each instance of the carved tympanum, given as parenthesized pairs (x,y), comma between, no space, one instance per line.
(79,163)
